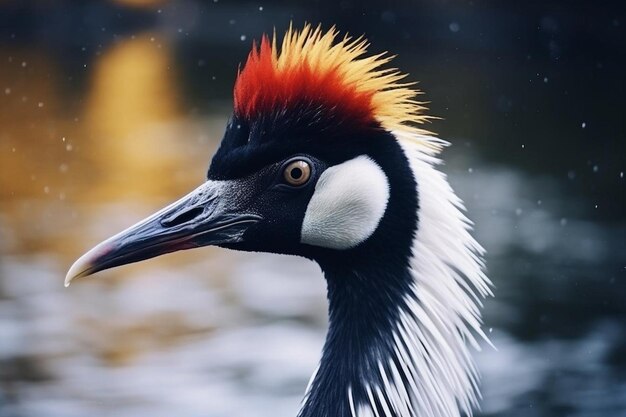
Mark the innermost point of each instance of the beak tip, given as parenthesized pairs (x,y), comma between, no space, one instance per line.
(72,274)
(68,280)
(82,267)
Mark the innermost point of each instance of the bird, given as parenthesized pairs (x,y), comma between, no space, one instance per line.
(325,156)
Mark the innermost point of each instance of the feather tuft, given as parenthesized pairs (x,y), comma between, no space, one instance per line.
(313,68)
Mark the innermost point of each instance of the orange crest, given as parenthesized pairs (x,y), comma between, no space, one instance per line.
(312,68)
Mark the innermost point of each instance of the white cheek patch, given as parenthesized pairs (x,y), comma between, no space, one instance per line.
(347,205)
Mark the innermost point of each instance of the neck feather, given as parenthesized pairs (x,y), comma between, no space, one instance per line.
(363,312)
(397,344)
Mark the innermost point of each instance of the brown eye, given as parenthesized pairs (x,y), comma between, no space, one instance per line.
(297,172)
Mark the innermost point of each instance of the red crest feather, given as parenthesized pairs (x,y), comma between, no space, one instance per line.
(312,68)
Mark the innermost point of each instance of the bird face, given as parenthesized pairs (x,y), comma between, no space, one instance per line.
(313,193)
(291,190)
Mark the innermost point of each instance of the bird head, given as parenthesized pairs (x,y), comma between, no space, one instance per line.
(308,165)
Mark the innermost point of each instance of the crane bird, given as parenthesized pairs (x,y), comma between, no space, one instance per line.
(324,158)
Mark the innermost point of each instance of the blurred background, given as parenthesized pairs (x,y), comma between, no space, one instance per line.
(110,109)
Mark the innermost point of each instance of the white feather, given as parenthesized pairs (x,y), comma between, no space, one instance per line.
(347,205)
(442,316)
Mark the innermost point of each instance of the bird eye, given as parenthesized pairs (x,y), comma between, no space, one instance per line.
(297,172)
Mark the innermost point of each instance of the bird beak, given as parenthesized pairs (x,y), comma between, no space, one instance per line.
(206,216)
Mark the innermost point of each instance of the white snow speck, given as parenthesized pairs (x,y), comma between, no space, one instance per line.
(583,125)
(470,170)
(40,104)
(7,91)
(260,8)
(519,211)
(24,64)
(545,80)
(621,174)
(242,37)
(454,27)
(563,221)
(595,168)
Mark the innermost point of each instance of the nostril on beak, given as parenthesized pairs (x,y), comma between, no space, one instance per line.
(181,218)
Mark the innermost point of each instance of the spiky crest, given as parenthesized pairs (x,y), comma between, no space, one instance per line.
(312,67)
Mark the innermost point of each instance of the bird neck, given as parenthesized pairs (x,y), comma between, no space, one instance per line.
(404,307)
(365,306)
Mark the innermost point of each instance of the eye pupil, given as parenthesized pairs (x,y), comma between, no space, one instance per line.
(296,173)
